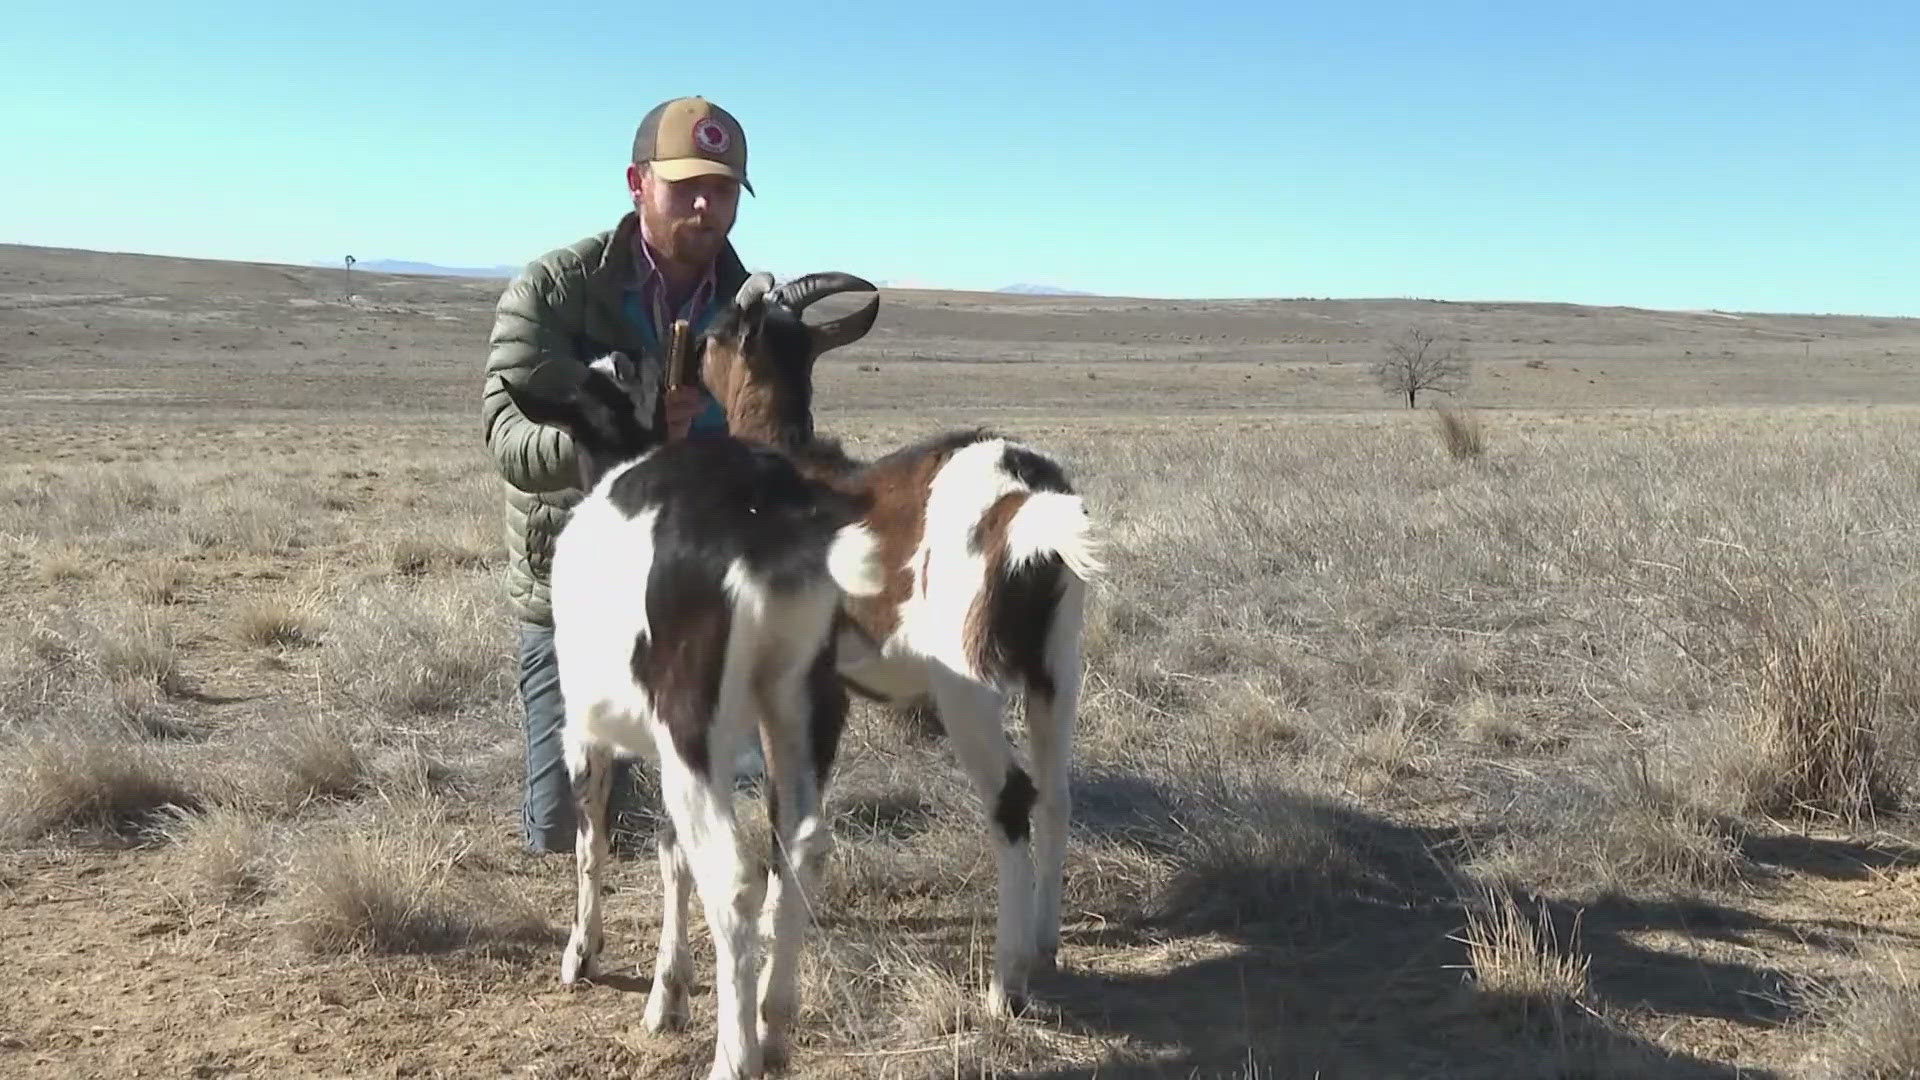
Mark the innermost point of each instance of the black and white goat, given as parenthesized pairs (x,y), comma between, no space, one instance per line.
(987,554)
(695,591)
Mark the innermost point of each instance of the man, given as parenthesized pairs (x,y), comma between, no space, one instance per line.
(669,258)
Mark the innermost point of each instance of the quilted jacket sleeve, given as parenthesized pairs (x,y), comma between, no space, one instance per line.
(528,328)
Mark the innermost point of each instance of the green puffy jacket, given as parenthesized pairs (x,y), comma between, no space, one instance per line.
(568,304)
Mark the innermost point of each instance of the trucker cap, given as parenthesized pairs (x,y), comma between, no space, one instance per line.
(691,136)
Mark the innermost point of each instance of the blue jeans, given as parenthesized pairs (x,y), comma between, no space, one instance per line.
(547,819)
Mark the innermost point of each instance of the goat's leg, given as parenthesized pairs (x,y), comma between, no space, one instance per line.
(1050,722)
(972,712)
(667,1008)
(800,845)
(590,771)
(1049,731)
(701,807)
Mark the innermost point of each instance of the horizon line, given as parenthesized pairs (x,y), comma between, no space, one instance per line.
(1063,292)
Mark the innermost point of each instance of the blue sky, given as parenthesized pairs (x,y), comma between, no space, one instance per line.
(1756,156)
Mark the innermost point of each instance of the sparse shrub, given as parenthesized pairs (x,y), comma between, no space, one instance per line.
(31,663)
(1461,433)
(1257,718)
(141,708)
(87,781)
(1382,753)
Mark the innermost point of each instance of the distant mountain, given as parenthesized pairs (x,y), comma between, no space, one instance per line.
(401,266)
(1040,290)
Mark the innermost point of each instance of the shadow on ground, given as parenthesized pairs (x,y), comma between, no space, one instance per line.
(1345,963)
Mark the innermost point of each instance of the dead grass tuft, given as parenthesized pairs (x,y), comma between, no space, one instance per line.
(87,781)
(1817,707)
(308,760)
(411,773)
(1519,970)
(136,647)
(414,558)
(1460,432)
(67,564)
(876,990)
(224,854)
(1867,1028)
(390,888)
(158,583)
(275,623)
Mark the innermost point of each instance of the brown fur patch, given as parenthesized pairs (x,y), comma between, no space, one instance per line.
(1008,625)
(989,538)
(898,484)
(682,673)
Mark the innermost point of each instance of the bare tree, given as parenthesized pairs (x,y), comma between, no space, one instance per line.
(1420,360)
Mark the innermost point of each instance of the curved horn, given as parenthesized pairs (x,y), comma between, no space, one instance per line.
(846,329)
(807,288)
(756,286)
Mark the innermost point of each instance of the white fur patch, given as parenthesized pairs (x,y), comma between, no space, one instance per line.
(599,590)
(1052,522)
(934,617)
(853,560)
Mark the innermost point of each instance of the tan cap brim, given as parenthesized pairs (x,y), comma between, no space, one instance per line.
(687,168)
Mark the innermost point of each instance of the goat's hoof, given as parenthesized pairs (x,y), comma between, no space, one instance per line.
(576,965)
(773,1052)
(749,1070)
(666,1011)
(1002,1003)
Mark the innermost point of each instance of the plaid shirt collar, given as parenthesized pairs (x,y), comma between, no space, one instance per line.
(651,286)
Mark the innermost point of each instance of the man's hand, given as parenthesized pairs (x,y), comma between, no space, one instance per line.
(683,403)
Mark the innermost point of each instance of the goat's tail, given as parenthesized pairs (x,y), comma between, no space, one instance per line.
(1055,523)
(853,561)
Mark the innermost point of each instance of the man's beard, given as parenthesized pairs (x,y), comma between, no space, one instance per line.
(688,242)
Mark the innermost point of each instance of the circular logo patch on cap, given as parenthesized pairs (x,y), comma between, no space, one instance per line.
(711,137)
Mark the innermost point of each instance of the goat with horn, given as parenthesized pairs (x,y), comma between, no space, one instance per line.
(986,551)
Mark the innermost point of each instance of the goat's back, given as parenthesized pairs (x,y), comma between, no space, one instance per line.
(681,559)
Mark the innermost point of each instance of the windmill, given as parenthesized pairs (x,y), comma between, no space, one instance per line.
(350,261)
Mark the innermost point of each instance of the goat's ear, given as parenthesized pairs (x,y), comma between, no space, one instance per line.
(619,367)
(550,394)
(753,290)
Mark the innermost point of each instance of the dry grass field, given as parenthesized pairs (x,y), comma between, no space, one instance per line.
(1574,733)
